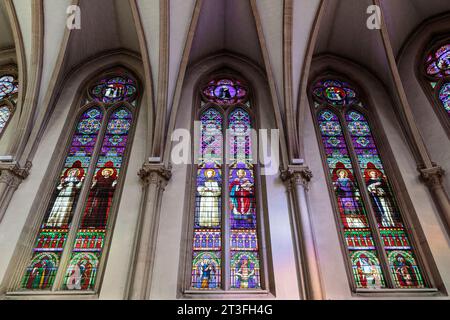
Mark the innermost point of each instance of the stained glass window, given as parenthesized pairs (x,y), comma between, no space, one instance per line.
(8,91)
(377,242)
(111,90)
(5,114)
(437,72)
(207,242)
(225,233)
(101,138)
(225,92)
(438,62)
(8,86)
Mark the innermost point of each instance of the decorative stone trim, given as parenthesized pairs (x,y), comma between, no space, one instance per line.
(12,174)
(157,174)
(432,176)
(296,175)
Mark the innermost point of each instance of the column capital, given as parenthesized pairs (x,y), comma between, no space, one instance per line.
(13,174)
(432,176)
(296,175)
(155,173)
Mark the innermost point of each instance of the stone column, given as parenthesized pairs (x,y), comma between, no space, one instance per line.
(154,179)
(433,179)
(297,179)
(11,176)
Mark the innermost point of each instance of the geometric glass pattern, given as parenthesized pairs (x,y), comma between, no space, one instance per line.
(444,97)
(438,62)
(236,184)
(437,66)
(5,114)
(8,86)
(348,143)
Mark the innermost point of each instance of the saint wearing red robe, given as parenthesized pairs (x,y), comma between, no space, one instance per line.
(100,197)
(241,194)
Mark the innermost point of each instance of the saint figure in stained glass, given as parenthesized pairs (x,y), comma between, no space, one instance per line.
(81,272)
(360,240)
(368,272)
(42,271)
(378,191)
(241,192)
(206,271)
(68,188)
(347,196)
(404,272)
(100,197)
(244,273)
(209,214)
(245,270)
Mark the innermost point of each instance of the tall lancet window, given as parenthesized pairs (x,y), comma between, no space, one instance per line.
(378,244)
(9,88)
(78,221)
(225,249)
(436,72)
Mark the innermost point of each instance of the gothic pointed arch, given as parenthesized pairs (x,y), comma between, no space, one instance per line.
(379,246)
(78,216)
(434,73)
(226,247)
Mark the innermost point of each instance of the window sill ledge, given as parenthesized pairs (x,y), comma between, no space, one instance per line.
(45,295)
(427,292)
(230,294)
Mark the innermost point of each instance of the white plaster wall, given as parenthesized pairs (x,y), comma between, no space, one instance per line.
(19,214)
(330,254)
(426,118)
(170,245)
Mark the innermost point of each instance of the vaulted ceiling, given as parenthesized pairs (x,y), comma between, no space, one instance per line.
(343,29)
(106,25)
(226,25)
(276,35)
(6,36)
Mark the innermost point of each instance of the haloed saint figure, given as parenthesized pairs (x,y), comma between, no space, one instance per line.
(348,197)
(404,272)
(100,197)
(241,193)
(209,210)
(244,273)
(378,191)
(367,273)
(207,273)
(68,189)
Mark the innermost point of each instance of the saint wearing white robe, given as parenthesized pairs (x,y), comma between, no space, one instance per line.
(209,211)
(63,205)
